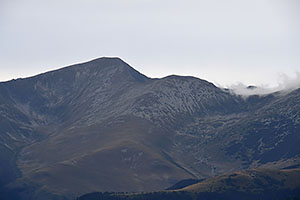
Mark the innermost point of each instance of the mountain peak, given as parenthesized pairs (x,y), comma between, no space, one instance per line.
(107,60)
(110,65)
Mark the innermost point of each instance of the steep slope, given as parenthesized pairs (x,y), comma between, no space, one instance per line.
(271,134)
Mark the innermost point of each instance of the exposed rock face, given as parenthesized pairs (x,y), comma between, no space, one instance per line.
(103,126)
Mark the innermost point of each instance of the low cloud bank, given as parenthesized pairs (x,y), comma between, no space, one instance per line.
(285,83)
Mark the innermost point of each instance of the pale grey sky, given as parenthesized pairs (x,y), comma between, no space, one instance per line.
(225,42)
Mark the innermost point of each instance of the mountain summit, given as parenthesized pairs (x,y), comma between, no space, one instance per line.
(103,126)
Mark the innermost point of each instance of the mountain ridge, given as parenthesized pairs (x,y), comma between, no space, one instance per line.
(108,61)
(102,118)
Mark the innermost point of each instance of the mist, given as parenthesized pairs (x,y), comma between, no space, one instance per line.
(284,83)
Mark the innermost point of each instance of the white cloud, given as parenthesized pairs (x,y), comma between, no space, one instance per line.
(285,83)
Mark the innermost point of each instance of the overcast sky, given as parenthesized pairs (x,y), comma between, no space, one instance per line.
(222,41)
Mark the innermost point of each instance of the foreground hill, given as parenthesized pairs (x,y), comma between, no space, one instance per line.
(250,184)
(103,126)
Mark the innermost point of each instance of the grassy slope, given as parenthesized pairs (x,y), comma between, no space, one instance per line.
(129,155)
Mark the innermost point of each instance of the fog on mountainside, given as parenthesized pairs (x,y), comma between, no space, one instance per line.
(285,84)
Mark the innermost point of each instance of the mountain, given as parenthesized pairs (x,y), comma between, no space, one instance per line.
(103,126)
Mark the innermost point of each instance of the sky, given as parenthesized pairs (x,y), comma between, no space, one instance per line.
(229,43)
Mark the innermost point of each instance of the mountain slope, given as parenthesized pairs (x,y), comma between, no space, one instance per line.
(131,131)
(103,126)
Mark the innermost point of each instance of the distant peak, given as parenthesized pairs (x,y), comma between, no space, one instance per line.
(251,87)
